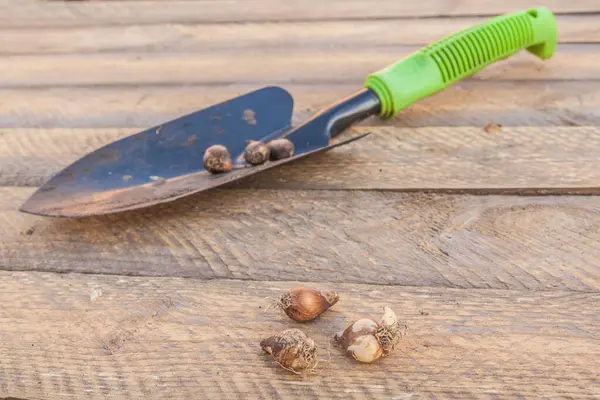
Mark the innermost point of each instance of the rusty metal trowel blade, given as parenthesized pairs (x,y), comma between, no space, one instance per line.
(134,197)
(164,162)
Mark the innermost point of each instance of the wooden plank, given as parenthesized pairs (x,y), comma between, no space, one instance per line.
(467,103)
(514,160)
(119,337)
(573,62)
(361,237)
(31,13)
(262,36)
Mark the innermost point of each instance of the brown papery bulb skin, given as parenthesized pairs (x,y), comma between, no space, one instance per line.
(217,159)
(281,148)
(256,152)
(363,326)
(292,349)
(305,304)
(367,340)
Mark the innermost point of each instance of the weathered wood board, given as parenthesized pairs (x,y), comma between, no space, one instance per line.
(511,160)
(259,36)
(468,103)
(32,13)
(500,292)
(92,336)
(335,66)
(526,243)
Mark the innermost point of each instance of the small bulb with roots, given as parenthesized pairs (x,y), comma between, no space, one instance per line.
(217,159)
(292,349)
(367,340)
(256,152)
(305,304)
(281,148)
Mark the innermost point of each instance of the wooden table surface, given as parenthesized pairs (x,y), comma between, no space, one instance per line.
(485,243)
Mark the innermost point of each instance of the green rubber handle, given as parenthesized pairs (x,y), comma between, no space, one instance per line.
(439,65)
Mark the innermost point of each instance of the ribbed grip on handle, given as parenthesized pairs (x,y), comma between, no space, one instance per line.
(463,54)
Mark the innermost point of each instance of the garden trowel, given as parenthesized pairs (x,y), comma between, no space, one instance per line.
(165,162)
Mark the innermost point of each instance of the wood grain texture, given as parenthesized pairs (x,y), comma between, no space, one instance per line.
(571,61)
(32,13)
(513,160)
(539,243)
(82,336)
(252,37)
(467,103)
(527,327)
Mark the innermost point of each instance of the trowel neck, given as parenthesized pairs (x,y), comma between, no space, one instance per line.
(350,110)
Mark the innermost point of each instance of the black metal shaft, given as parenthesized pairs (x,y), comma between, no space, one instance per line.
(352,109)
(334,119)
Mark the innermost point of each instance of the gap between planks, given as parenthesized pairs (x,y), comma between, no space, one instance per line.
(499,242)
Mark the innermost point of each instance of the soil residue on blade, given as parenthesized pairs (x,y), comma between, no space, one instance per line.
(108,154)
(249,116)
(190,140)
